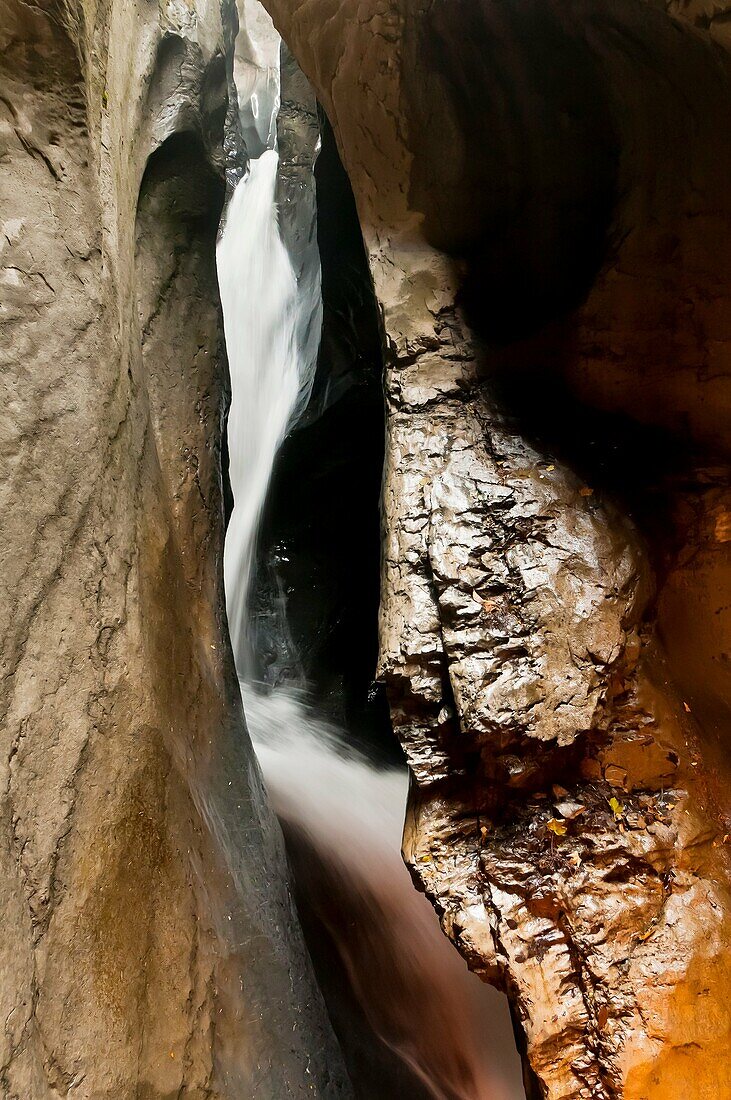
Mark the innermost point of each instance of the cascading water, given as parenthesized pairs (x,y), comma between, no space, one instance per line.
(260,309)
(413,987)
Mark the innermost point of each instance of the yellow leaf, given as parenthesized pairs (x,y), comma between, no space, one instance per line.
(616,806)
(556,827)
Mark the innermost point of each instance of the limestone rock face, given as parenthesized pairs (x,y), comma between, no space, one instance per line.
(148,942)
(541,189)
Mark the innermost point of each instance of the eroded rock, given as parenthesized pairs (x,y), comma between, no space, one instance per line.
(149,945)
(539,192)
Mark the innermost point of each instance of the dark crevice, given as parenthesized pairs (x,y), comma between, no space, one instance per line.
(516,158)
(316,591)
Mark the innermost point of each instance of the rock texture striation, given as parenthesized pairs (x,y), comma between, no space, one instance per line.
(541,192)
(148,943)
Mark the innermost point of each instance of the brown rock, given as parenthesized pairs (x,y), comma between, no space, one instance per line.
(542,194)
(148,942)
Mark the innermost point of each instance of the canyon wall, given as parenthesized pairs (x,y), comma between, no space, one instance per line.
(149,946)
(542,193)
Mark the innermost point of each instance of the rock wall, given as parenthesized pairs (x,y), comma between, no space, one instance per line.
(149,946)
(541,189)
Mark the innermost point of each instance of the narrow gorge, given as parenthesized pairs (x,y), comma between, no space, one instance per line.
(366,524)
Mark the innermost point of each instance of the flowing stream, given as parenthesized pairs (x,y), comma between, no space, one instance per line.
(410,982)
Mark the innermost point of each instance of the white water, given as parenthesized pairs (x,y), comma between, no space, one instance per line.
(260,312)
(414,988)
(416,991)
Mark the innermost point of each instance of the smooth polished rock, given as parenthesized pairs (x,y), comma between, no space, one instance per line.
(149,945)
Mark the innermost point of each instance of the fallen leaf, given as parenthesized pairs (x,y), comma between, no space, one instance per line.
(602,1016)
(585,491)
(616,806)
(686,707)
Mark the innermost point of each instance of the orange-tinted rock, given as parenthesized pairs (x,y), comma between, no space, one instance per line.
(542,192)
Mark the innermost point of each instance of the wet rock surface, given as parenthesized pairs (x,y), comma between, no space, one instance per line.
(149,944)
(568,811)
(542,192)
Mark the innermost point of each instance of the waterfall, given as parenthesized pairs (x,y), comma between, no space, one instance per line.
(412,985)
(261,315)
